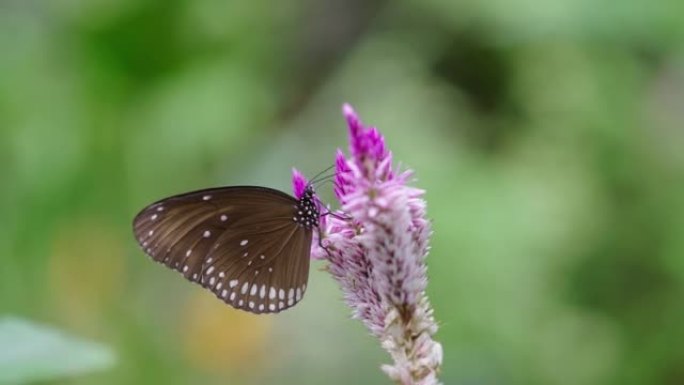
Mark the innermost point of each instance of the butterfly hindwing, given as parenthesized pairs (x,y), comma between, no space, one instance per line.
(239,242)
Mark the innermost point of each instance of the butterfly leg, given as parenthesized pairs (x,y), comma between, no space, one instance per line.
(338,216)
(320,243)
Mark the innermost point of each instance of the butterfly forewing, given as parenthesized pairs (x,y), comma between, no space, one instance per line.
(239,242)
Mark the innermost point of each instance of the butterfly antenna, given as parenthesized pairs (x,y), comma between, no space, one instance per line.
(324,179)
(313,180)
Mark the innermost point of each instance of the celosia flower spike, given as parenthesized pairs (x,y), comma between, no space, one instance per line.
(376,248)
(298,183)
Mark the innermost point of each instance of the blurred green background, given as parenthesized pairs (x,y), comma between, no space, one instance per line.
(548,135)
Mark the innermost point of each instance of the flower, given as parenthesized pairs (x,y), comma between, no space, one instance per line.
(376,246)
(298,183)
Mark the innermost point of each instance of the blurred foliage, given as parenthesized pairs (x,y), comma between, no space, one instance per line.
(33,352)
(547,134)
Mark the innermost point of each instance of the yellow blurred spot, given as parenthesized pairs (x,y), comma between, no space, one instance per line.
(85,270)
(220,338)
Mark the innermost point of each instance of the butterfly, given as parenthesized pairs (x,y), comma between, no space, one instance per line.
(249,245)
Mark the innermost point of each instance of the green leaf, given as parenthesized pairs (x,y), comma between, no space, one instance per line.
(31,352)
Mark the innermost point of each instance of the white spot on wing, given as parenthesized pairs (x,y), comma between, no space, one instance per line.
(251,305)
(261,307)
(233,283)
(206,197)
(272,292)
(207,234)
(244,242)
(210,270)
(224,293)
(245,287)
(154,217)
(255,287)
(224,218)
(281,294)
(271,307)
(299,294)
(262,292)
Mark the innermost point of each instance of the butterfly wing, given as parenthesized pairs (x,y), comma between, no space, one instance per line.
(239,242)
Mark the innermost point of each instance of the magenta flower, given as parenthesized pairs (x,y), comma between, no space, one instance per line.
(376,249)
(299,183)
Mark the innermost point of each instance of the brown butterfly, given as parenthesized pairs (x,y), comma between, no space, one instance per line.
(249,245)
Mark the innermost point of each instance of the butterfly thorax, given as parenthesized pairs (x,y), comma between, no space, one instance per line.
(306,212)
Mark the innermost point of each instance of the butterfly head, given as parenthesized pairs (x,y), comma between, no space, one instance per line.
(307,213)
